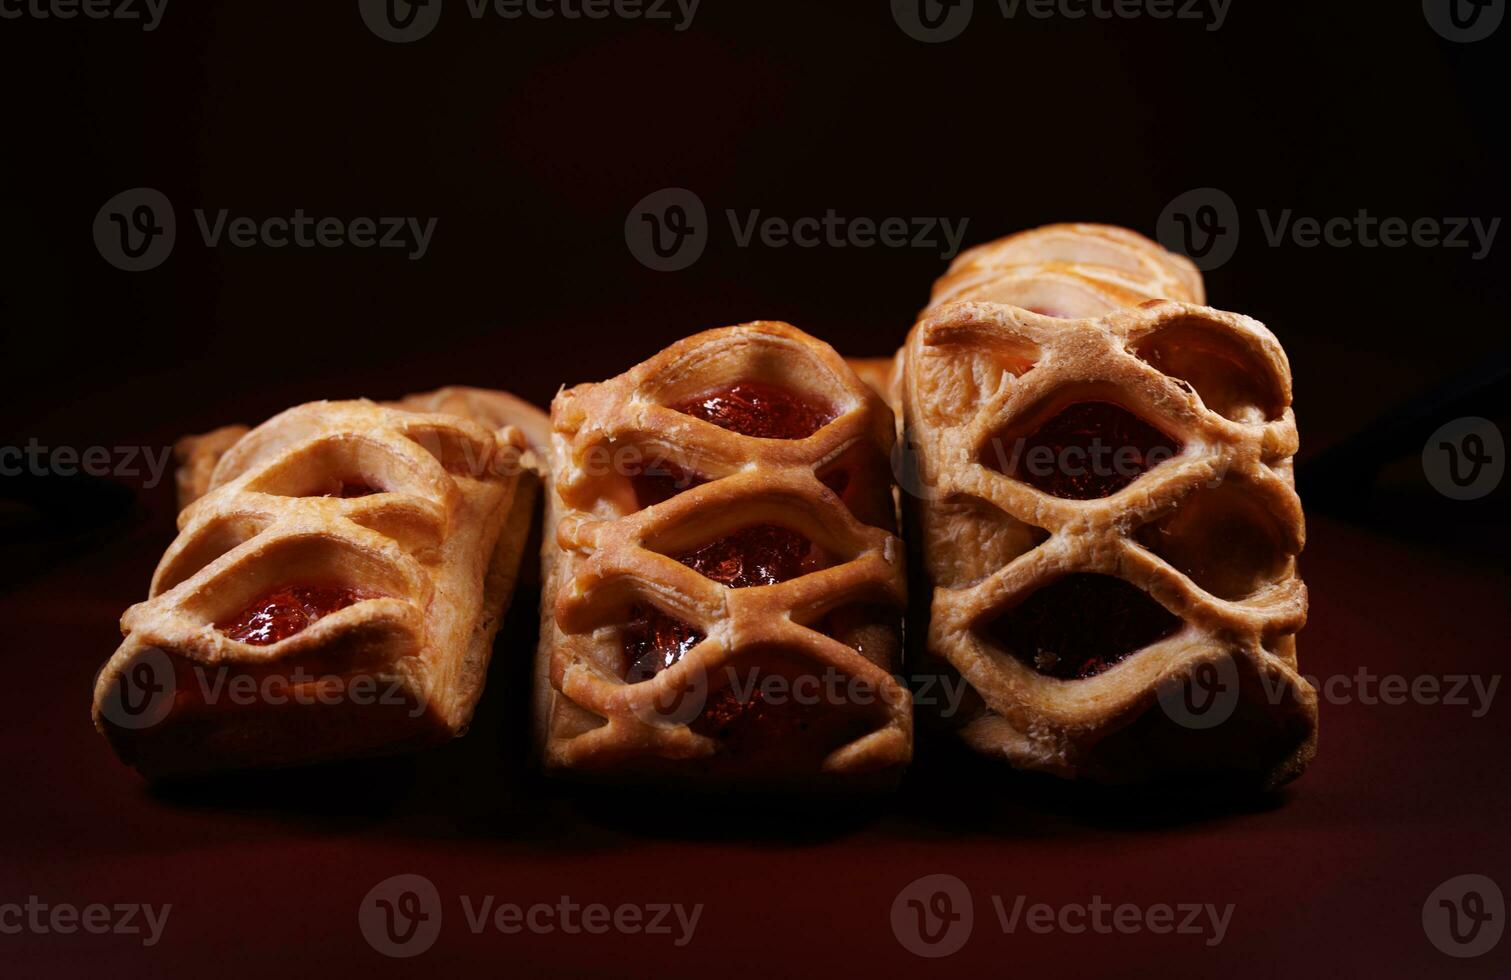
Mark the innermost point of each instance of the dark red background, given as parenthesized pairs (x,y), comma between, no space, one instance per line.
(530,141)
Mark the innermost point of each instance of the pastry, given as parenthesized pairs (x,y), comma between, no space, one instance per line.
(197,455)
(334,590)
(723,590)
(1105,515)
(1069,270)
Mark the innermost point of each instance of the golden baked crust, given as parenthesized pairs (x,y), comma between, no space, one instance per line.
(978,377)
(1071,270)
(607,554)
(197,455)
(439,543)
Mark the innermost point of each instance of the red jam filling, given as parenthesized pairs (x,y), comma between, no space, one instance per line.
(755,408)
(654,641)
(782,715)
(660,480)
(1090,450)
(761,554)
(279,614)
(347,489)
(1081,625)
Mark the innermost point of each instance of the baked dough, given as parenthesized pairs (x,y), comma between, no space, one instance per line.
(614,553)
(395,535)
(1189,562)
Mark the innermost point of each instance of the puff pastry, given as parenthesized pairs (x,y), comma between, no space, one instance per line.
(723,590)
(334,590)
(1127,606)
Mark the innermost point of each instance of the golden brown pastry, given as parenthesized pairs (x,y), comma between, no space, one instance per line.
(724,585)
(1105,515)
(333,591)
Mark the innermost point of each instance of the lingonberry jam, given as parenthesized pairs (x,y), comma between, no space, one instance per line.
(347,489)
(1081,625)
(279,614)
(654,641)
(755,408)
(782,714)
(1089,450)
(761,554)
(659,480)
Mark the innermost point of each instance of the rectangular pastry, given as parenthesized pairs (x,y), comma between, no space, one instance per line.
(334,590)
(724,584)
(1104,506)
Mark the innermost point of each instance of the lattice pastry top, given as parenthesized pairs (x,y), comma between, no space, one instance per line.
(338,544)
(1069,270)
(1106,512)
(724,542)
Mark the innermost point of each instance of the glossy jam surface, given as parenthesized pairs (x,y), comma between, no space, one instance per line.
(1081,625)
(1089,450)
(654,641)
(761,554)
(782,715)
(659,480)
(279,614)
(755,408)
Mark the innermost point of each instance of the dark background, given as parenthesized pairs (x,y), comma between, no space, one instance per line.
(530,141)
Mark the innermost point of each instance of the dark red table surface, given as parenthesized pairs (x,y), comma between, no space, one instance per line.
(265,873)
